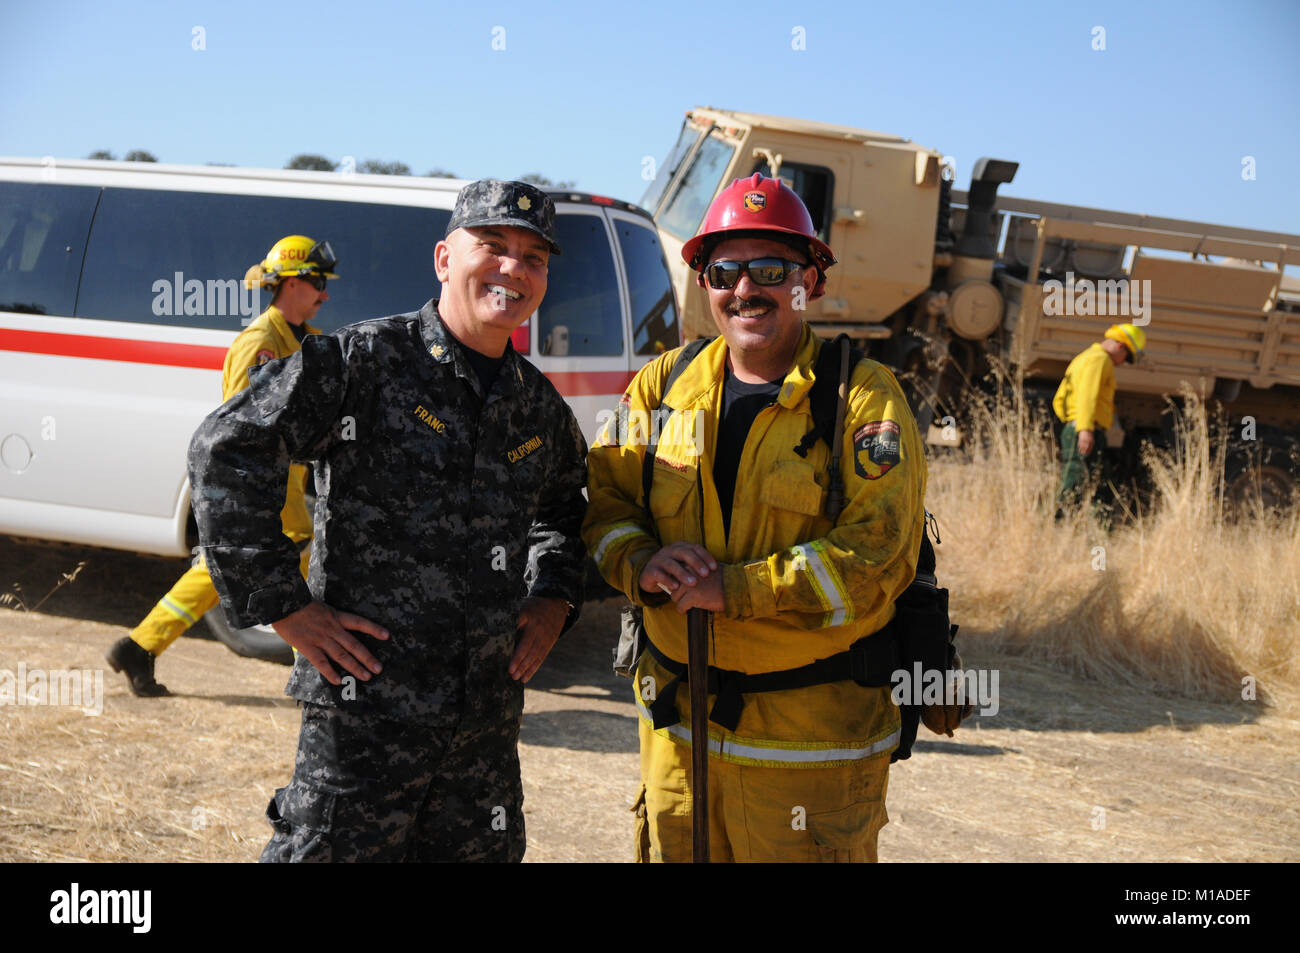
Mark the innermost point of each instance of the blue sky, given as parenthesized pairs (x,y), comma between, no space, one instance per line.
(1157,122)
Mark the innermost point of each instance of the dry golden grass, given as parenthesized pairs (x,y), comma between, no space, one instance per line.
(1176,598)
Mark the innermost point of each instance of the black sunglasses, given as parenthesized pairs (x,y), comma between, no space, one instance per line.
(761,271)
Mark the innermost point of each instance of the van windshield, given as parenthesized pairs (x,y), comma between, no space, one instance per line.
(686,208)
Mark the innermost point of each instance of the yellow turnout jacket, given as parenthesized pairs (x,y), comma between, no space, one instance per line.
(797,588)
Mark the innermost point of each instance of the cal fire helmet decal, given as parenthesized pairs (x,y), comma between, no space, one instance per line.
(875,449)
(755,201)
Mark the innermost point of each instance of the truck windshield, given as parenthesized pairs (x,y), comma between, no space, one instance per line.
(686,208)
(689,136)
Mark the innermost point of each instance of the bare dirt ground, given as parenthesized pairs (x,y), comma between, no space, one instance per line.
(1067,770)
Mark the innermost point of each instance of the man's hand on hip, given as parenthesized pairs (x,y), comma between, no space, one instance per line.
(541,620)
(321,634)
(1086,441)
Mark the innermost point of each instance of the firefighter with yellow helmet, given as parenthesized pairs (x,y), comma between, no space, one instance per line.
(1085,404)
(734,523)
(297,268)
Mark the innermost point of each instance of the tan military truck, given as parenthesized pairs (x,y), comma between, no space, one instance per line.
(936,282)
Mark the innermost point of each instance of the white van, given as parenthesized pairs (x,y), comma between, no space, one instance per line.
(120,293)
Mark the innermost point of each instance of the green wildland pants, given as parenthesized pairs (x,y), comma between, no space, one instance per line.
(1078,470)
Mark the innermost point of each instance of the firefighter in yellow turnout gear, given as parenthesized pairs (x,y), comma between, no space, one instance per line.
(297,268)
(736,526)
(1085,404)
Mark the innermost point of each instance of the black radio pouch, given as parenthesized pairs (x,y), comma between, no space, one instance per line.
(925,637)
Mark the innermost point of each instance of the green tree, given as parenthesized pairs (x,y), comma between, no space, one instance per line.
(542,182)
(101,154)
(440,174)
(311,163)
(139,155)
(380,167)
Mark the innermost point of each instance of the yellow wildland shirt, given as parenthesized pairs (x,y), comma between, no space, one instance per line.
(270,337)
(1087,393)
(797,587)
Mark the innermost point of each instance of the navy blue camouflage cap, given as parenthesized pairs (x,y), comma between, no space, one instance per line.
(495,202)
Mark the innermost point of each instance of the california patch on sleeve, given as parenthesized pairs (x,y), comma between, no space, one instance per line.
(875,449)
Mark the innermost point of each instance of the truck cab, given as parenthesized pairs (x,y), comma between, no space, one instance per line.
(874,198)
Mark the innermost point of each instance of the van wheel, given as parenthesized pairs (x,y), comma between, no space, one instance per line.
(259,641)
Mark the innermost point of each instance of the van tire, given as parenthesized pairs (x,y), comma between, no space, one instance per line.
(259,642)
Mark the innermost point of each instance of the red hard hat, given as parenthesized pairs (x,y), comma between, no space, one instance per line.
(760,204)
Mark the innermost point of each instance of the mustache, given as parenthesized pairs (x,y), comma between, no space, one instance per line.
(757,301)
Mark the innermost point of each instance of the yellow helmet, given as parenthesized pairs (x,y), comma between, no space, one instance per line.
(1131,336)
(291,256)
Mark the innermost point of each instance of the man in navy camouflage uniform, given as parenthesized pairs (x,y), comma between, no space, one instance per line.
(446,561)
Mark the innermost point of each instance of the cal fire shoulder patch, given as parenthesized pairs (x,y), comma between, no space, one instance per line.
(875,449)
(263,356)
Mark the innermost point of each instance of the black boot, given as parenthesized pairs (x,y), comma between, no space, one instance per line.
(137,664)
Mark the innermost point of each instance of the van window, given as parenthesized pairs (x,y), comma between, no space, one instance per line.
(42,241)
(581,314)
(653,195)
(815,184)
(160,257)
(686,208)
(654,310)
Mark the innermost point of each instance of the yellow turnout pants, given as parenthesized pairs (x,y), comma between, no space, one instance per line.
(759,813)
(185,603)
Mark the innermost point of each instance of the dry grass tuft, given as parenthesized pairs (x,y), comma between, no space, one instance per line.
(1178,598)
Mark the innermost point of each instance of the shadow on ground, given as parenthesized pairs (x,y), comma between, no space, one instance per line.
(114,587)
(581,730)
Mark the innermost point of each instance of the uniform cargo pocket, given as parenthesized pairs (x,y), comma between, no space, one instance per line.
(303,820)
(641,838)
(311,808)
(849,835)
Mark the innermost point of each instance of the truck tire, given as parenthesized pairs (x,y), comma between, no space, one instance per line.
(259,641)
(1261,479)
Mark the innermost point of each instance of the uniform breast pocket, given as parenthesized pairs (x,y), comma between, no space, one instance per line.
(527,473)
(670,496)
(421,444)
(792,486)
(792,504)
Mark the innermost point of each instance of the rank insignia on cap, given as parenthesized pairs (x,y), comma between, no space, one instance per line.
(876,449)
(525,202)
(755,201)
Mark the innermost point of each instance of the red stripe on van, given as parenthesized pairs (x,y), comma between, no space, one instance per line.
(113,349)
(590,383)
